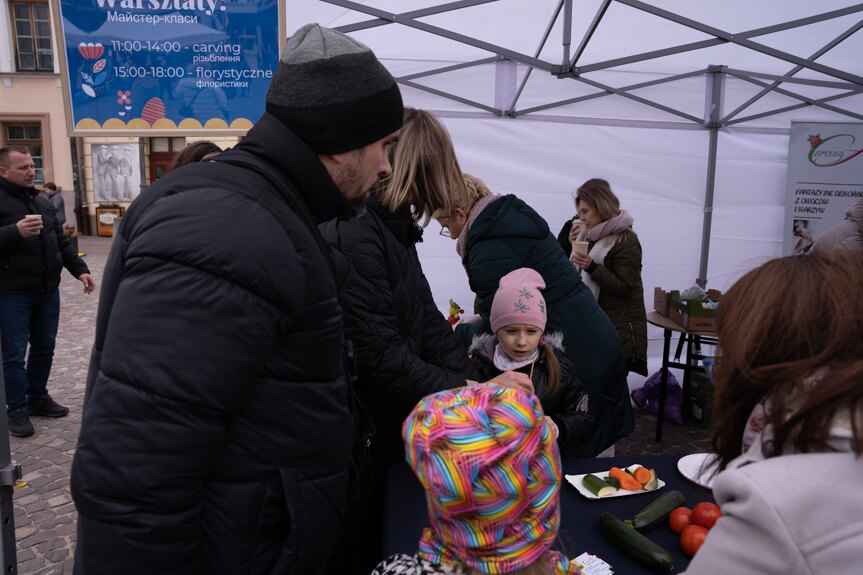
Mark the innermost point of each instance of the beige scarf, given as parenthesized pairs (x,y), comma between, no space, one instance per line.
(475,211)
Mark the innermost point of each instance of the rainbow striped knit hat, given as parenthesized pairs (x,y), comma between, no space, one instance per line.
(491,470)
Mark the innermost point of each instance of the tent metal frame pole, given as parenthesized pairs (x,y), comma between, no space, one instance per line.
(567,32)
(10,473)
(715,74)
(802,81)
(597,18)
(443,33)
(821,102)
(795,107)
(746,43)
(639,99)
(788,75)
(718,41)
(576,73)
(451,68)
(605,93)
(510,111)
(453,97)
(429,11)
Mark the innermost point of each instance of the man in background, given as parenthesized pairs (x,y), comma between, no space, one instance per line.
(54,194)
(33,252)
(217,433)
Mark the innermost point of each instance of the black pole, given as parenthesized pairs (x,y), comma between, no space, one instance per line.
(10,473)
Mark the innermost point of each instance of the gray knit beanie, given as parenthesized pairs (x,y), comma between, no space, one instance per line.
(332,92)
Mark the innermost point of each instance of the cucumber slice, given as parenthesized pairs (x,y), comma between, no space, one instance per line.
(653,483)
(613,481)
(598,486)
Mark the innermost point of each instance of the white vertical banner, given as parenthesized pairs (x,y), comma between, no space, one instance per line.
(825,174)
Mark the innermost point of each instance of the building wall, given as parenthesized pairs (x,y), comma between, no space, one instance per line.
(37,97)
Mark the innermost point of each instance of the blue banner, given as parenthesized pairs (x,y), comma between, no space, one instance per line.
(143,65)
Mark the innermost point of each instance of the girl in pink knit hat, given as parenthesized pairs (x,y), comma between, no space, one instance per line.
(520,344)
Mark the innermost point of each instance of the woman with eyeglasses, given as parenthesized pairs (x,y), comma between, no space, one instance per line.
(405,348)
(498,234)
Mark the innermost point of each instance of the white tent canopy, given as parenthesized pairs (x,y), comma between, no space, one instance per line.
(685,107)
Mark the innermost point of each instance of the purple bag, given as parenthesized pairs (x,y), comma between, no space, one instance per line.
(648,396)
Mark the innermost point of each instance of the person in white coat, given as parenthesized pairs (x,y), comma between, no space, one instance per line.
(790,434)
(847,234)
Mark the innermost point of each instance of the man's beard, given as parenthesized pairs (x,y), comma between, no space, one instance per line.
(358,206)
(350,184)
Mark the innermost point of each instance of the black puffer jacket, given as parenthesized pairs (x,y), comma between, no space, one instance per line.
(217,435)
(405,347)
(34,264)
(567,406)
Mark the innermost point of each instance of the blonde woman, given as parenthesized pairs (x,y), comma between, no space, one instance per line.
(405,348)
(498,234)
(612,266)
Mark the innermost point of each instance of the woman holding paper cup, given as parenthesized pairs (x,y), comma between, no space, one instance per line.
(608,253)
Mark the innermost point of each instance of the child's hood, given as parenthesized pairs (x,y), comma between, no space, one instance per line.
(484,343)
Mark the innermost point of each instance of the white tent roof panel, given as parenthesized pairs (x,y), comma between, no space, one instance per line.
(657,161)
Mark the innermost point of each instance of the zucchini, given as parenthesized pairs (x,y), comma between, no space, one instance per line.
(613,481)
(643,550)
(658,510)
(597,485)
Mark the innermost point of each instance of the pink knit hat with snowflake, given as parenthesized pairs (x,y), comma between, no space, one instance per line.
(519,300)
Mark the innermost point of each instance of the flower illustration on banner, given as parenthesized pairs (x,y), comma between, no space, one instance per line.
(124,102)
(815,140)
(94,72)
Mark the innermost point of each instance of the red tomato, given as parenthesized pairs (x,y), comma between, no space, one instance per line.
(680,518)
(705,514)
(692,538)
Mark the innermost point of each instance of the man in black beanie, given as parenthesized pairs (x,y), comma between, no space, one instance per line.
(218,426)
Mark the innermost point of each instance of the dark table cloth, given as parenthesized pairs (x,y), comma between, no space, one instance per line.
(406,514)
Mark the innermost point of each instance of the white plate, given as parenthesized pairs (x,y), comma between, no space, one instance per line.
(698,468)
(575,481)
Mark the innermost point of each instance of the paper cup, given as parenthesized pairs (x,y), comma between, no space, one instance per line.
(33,217)
(580,247)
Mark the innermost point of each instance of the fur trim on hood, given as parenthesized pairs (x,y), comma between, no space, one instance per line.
(484,343)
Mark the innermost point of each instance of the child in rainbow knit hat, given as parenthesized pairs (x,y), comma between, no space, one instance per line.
(520,344)
(490,466)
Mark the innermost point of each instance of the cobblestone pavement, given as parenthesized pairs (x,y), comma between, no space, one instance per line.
(44,513)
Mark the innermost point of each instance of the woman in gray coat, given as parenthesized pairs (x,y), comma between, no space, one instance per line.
(847,234)
(789,437)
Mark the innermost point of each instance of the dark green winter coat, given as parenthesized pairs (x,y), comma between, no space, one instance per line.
(621,297)
(508,235)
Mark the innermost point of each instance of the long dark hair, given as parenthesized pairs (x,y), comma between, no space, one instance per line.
(778,324)
(194,152)
(553,371)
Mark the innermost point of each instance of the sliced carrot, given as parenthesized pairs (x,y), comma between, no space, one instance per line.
(627,481)
(642,475)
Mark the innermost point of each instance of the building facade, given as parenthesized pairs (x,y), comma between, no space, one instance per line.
(33,115)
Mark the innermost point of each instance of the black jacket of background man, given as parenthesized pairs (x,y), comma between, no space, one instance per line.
(217,434)
(32,265)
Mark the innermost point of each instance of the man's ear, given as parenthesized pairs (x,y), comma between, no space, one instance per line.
(332,159)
